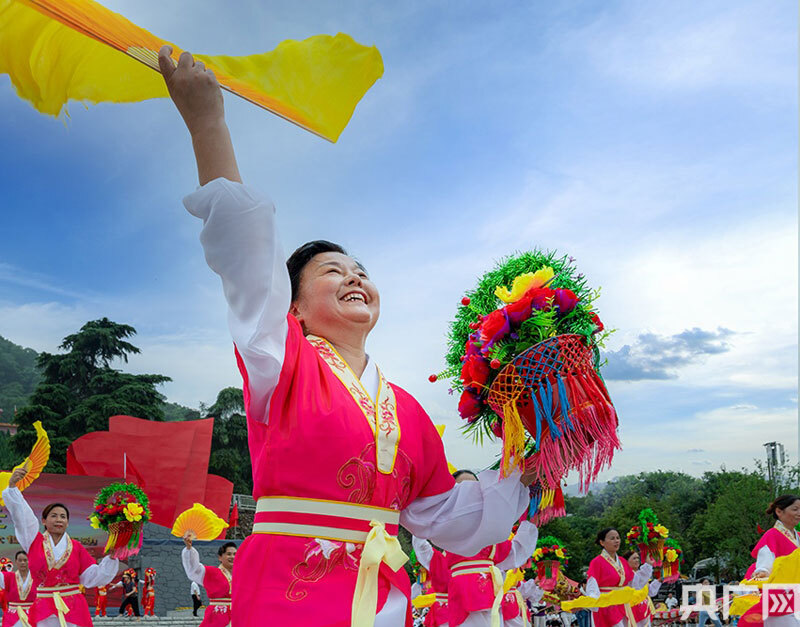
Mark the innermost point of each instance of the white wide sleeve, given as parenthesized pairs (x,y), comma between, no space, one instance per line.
(531,592)
(423,551)
(195,571)
(765,558)
(642,576)
(592,589)
(100,574)
(470,516)
(241,245)
(522,546)
(26,525)
(655,586)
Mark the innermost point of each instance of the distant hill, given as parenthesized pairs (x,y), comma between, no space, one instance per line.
(19,377)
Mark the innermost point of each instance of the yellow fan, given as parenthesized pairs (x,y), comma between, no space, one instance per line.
(440,429)
(33,463)
(200,522)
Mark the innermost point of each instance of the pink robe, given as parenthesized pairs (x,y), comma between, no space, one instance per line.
(13,596)
(608,577)
(780,546)
(218,587)
(439,570)
(317,444)
(474,592)
(67,573)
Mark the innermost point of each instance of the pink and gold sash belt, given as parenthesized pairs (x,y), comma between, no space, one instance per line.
(219,602)
(56,593)
(441,597)
(484,567)
(22,611)
(374,527)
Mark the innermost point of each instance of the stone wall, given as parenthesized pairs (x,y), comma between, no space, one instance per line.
(162,551)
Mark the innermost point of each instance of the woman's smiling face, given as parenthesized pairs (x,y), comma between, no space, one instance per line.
(335,292)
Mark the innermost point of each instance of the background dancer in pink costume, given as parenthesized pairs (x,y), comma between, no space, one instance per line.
(340,456)
(216,580)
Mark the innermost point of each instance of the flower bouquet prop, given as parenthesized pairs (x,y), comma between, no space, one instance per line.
(548,558)
(121,509)
(524,354)
(671,566)
(649,537)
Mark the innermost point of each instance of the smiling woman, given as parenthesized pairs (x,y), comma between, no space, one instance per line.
(340,456)
(58,564)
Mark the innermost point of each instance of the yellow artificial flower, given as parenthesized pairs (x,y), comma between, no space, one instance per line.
(94,521)
(671,555)
(662,530)
(523,283)
(537,554)
(133,512)
(560,553)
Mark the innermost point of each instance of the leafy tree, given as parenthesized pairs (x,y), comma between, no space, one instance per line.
(79,390)
(18,377)
(230,455)
(174,412)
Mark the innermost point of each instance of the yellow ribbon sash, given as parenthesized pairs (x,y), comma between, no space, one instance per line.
(20,608)
(785,570)
(57,593)
(379,547)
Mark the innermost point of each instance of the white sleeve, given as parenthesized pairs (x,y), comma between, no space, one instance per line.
(423,551)
(642,576)
(522,546)
(416,590)
(100,574)
(655,586)
(195,571)
(592,589)
(26,525)
(765,558)
(531,592)
(240,242)
(470,516)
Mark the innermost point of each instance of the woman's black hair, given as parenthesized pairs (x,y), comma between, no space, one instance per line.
(629,554)
(51,507)
(300,258)
(18,553)
(601,535)
(463,471)
(225,547)
(782,502)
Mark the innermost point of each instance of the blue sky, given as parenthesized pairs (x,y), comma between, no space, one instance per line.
(655,142)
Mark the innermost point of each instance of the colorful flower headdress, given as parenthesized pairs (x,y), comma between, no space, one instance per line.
(524,354)
(121,509)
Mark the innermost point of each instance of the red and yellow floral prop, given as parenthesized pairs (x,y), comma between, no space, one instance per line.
(649,537)
(121,509)
(671,566)
(548,558)
(524,353)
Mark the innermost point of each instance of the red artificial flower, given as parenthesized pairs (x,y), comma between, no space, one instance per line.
(519,312)
(469,405)
(540,297)
(565,300)
(497,428)
(494,327)
(475,371)
(596,319)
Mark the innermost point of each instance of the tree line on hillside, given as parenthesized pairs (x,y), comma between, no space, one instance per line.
(75,391)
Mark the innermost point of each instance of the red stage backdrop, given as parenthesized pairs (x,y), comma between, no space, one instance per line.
(169,460)
(77,493)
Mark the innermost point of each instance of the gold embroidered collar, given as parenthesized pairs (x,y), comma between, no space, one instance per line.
(789,533)
(23,585)
(382,419)
(49,551)
(616,563)
(228,576)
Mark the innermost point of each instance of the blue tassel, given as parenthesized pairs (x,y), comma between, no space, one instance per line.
(565,406)
(547,400)
(538,411)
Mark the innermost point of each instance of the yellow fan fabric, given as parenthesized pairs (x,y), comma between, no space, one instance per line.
(785,569)
(621,596)
(205,524)
(55,51)
(33,464)
(423,600)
